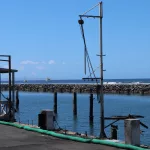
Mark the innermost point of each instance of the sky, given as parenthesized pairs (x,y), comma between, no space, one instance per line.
(44,39)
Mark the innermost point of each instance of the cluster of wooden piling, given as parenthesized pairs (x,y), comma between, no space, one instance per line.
(75,105)
(79,88)
(74,89)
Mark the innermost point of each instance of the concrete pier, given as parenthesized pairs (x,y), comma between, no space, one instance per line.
(20,139)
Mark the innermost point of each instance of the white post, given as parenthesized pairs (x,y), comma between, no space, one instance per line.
(132,131)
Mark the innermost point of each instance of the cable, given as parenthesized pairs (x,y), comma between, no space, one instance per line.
(86,52)
(57,124)
(4,96)
(81,22)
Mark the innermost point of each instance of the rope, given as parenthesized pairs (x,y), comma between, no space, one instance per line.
(86,53)
(4,96)
(89,67)
(57,124)
(88,58)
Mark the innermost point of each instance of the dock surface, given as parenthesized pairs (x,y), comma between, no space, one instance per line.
(19,139)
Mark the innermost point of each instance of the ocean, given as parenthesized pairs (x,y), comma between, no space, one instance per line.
(31,104)
(79,81)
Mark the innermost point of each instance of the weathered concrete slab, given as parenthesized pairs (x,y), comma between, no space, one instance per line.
(18,139)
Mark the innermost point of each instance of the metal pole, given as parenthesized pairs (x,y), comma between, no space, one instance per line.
(13,95)
(102,132)
(0,88)
(9,101)
(0,92)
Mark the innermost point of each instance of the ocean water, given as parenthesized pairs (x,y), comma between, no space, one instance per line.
(79,81)
(32,103)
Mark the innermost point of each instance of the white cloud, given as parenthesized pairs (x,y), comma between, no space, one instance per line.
(40,67)
(51,62)
(29,62)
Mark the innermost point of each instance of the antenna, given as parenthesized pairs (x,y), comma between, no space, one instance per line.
(81,22)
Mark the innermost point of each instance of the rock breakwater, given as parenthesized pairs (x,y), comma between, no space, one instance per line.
(83,88)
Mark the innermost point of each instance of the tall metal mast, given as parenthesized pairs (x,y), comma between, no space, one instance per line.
(102,132)
(102,121)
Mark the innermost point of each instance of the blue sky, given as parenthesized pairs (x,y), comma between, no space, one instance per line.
(44,39)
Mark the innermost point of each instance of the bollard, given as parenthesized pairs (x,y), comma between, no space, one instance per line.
(74,103)
(55,102)
(114,129)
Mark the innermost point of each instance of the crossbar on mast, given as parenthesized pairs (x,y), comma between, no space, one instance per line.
(90,16)
(90,78)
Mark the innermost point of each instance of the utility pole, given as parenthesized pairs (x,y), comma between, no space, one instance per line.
(81,22)
(102,132)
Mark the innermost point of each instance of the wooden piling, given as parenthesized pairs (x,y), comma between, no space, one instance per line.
(17,99)
(91,108)
(37,89)
(55,102)
(74,103)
